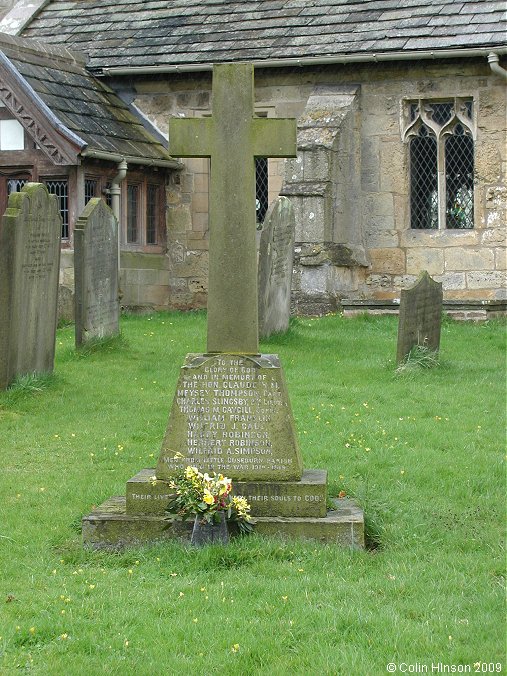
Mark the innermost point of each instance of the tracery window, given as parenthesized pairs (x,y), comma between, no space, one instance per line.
(441,137)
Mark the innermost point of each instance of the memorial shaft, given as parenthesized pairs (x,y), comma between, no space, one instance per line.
(232,138)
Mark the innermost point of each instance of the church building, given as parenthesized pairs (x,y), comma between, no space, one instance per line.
(401,117)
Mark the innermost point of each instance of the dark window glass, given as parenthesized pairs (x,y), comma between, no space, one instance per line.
(459,180)
(423,181)
(261,188)
(151,213)
(61,190)
(132,213)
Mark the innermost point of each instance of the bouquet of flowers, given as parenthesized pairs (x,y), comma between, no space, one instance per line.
(208,495)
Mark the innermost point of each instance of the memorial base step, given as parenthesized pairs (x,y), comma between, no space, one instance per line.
(109,526)
(306,497)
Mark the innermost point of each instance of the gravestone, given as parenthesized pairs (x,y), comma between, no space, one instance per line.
(420,316)
(97,306)
(29,269)
(276,258)
(231,411)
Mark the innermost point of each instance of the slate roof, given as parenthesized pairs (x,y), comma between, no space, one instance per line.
(180,32)
(76,101)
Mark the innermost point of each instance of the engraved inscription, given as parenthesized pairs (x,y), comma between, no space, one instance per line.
(233,411)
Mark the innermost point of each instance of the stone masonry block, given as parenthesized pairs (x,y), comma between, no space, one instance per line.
(494,236)
(431,260)
(179,219)
(387,261)
(439,238)
(501,258)
(452,280)
(460,258)
(494,279)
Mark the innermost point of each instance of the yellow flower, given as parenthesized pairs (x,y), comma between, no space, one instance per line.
(235,648)
(208,498)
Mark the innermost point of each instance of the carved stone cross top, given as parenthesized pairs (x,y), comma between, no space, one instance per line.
(232,138)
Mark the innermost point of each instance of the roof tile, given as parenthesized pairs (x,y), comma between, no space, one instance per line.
(118,33)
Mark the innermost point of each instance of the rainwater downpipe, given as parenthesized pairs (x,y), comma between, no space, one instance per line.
(493,60)
(115,192)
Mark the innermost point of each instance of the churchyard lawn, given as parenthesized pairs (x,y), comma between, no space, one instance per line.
(422,451)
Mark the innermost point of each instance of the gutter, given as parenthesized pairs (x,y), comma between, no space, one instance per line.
(147,161)
(308,61)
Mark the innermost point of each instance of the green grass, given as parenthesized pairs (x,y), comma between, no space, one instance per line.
(421,449)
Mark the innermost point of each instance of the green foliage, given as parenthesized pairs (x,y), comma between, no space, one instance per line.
(424,456)
(419,357)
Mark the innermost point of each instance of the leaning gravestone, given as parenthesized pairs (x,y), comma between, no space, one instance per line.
(276,257)
(231,411)
(97,307)
(29,269)
(420,316)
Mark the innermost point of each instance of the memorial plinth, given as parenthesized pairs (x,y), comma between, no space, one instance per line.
(231,414)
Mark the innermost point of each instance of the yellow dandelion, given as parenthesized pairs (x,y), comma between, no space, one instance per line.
(235,648)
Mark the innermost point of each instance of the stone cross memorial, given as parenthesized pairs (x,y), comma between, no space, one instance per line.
(420,316)
(276,259)
(97,306)
(30,235)
(231,412)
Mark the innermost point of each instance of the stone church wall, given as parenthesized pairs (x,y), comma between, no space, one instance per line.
(366,212)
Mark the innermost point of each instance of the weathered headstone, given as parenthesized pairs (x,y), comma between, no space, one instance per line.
(276,258)
(420,316)
(231,411)
(29,268)
(97,307)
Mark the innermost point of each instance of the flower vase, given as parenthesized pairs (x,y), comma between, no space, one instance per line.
(206,533)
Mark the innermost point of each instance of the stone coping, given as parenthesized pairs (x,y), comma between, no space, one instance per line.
(485,307)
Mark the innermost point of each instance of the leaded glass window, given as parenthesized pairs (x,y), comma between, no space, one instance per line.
(440,135)
(261,188)
(15,184)
(132,213)
(60,188)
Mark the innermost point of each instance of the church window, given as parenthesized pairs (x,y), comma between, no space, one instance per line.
(91,187)
(15,185)
(440,136)
(142,213)
(60,188)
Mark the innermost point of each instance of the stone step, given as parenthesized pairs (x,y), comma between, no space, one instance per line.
(306,497)
(110,527)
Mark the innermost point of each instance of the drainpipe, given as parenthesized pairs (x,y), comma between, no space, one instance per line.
(493,60)
(115,193)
